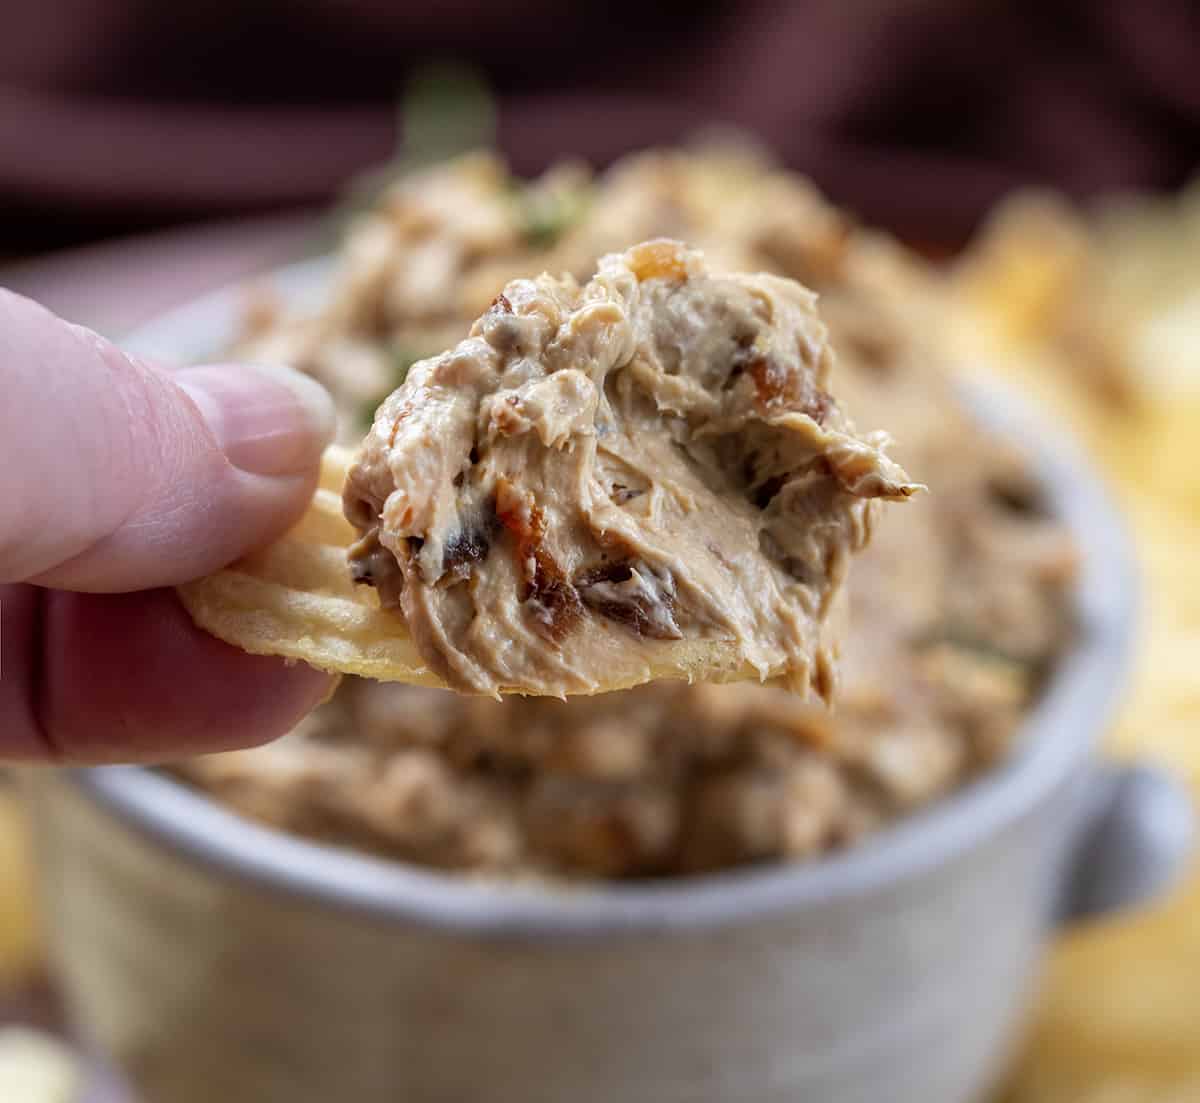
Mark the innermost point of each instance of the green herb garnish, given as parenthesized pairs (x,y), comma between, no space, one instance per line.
(545,214)
(445,110)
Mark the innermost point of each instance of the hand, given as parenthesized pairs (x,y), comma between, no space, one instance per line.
(118,480)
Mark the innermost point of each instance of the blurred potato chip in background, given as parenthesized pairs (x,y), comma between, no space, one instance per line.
(19,947)
(1100,318)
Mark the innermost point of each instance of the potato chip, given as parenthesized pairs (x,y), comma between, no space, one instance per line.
(296,599)
(20,942)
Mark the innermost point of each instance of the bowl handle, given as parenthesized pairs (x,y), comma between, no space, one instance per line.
(1135,834)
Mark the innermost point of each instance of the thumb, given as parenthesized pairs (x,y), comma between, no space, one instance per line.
(116,475)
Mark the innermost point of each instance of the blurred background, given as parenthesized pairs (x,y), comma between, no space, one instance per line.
(122,116)
(149,151)
(118,115)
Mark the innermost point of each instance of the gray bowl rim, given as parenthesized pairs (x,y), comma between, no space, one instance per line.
(1058,735)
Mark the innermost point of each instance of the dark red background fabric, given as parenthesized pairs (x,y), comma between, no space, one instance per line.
(118,114)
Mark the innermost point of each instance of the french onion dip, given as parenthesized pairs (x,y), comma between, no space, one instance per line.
(652,456)
(956,612)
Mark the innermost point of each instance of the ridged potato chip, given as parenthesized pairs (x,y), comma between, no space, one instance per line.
(295,598)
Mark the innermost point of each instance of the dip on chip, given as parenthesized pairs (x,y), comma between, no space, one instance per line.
(643,476)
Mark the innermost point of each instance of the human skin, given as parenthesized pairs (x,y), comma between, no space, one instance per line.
(118,480)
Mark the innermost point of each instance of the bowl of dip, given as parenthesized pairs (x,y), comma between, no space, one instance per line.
(214,958)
